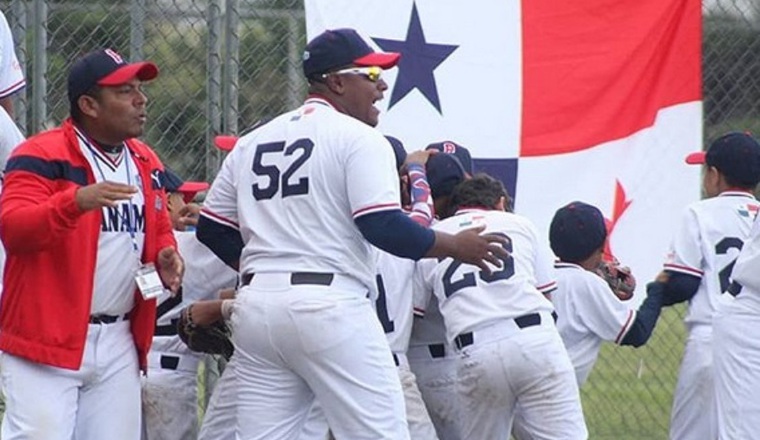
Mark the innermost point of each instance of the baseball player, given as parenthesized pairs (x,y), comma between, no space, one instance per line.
(394,284)
(502,325)
(306,194)
(431,358)
(736,349)
(169,390)
(699,264)
(11,74)
(89,245)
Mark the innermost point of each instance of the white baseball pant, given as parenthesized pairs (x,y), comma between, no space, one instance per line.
(417,417)
(295,342)
(694,414)
(100,400)
(503,364)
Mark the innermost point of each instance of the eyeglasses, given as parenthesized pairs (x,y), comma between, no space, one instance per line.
(373,73)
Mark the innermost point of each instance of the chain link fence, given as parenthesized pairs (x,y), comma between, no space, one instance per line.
(227,63)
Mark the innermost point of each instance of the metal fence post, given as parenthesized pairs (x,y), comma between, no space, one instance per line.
(213,86)
(230,83)
(137,29)
(39,66)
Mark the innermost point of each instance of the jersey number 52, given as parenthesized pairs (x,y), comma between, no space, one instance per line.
(279,179)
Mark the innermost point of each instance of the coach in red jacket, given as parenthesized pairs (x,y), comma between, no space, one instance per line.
(83,218)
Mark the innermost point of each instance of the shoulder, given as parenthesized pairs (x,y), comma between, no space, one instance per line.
(48,144)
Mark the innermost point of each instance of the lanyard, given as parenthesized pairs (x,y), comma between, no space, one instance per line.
(131,227)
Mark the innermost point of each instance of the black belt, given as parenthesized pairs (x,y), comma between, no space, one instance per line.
(167,329)
(525,321)
(395,359)
(437,350)
(169,362)
(108,319)
(296,278)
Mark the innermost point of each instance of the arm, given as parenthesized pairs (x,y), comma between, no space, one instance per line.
(223,240)
(647,315)
(679,287)
(395,233)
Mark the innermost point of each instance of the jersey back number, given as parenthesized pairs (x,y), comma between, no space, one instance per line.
(278,179)
(507,270)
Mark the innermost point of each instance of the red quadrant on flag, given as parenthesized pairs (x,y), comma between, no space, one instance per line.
(599,70)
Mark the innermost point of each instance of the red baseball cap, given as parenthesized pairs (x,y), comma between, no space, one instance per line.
(174,184)
(105,67)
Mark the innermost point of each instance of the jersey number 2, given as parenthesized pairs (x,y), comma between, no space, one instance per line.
(273,172)
(450,287)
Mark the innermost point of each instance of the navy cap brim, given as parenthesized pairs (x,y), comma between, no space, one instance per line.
(143,70)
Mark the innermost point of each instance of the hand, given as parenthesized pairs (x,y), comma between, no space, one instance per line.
(228,293)
(188,216)
(205,313)
(472,248)
(170,268)
(419,157)
(98,195)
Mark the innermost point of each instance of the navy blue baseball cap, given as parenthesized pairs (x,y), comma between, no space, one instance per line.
(462,153)
(342,47)
(735,154)
(398,150)
(577,230)
(444,172)
(105,67)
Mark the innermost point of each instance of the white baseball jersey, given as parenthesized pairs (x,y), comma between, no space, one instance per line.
(708,241)
(588,313)
(394,301)
(346,169)
(11,74)
(122,231)
(10,137)
(737,349)
(469,298)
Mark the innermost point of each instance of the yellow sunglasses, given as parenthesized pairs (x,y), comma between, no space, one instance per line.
(373,73)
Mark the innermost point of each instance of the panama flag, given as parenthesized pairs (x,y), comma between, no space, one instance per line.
(590,100)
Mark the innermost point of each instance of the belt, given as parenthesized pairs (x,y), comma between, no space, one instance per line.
(437,350)
(400,360)
(465,339)
(297,278)
(108,319)
(167,329)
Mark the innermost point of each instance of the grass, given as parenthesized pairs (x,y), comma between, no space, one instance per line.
(630,391)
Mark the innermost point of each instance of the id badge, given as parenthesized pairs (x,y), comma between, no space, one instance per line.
(148,281)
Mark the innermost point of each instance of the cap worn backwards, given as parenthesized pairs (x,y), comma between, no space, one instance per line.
(736,155)
(342,47)
(462,153)
(576,231)
(174,184)
(444,172)
(105,67)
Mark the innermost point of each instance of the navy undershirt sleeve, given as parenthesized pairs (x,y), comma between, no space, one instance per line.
(646,316)
(394,232)
(224,241)
(680,287)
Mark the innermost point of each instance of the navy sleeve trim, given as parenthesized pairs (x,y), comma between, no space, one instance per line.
(49,169)
(224,241)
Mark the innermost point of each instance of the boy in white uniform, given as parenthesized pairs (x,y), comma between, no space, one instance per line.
(699,263)
(502,325)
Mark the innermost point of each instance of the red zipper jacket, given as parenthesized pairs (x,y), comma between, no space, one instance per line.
(52,246)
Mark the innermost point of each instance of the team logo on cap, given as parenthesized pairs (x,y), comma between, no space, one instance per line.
(114,56)
(449,147)
(306,55)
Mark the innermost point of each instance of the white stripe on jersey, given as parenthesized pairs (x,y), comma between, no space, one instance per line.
(708,240)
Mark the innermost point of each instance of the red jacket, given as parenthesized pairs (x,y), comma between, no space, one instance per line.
(52,246)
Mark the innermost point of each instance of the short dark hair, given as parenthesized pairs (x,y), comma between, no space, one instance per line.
(75,111)
(482,190)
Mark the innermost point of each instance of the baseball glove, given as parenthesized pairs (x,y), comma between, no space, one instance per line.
(620,279)
(212,339)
